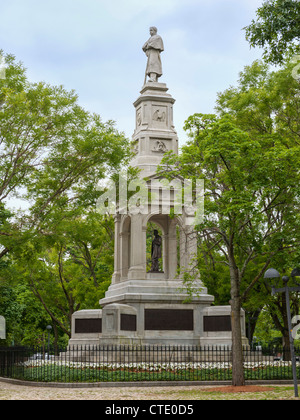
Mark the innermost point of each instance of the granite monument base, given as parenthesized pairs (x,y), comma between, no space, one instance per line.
(154,312)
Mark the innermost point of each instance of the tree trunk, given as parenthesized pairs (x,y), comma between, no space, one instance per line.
(238,377)
(252,321)
(55,343)
(283,326)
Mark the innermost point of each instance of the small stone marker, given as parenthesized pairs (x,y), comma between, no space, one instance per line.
(2,328)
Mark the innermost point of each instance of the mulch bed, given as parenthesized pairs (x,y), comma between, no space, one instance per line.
(235,389)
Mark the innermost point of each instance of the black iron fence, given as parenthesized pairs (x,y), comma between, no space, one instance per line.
(142,363)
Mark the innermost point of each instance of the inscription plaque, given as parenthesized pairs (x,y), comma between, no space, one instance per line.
(217,323)
(128,322)
(88,326)
(169,319)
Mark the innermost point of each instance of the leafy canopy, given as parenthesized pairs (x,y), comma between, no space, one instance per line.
(276,29)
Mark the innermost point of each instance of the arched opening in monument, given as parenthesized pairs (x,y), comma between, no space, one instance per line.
(163,254)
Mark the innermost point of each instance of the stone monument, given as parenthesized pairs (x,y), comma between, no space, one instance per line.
(151,307)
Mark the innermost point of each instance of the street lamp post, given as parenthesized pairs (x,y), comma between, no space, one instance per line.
(273,274)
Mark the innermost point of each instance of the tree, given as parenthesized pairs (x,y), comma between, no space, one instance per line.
(276,30)
(52,152)
(215,274)
(66,270)
(25,317)
(5,228)
(248,156)
(266,104)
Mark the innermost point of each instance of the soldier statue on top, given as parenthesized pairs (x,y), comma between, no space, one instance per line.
(152,48)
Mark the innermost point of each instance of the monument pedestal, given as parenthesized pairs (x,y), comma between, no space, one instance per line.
(152,312)
(154,132)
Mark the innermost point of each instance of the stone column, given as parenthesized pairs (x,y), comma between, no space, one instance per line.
(172,248)
(137,269)
(117,260)
(125,251)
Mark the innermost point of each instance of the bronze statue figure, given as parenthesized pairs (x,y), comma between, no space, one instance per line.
(156,252)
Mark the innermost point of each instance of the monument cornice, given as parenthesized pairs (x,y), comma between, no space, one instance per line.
(153,97)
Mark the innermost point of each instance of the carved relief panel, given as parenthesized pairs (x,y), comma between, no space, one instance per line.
(159,116)
(135,147)
(139,118)
(159,145)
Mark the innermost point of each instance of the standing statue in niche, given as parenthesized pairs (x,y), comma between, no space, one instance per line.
(152,48)
(156,252)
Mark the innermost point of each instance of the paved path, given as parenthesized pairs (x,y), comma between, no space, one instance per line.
(20,392)
(10,391)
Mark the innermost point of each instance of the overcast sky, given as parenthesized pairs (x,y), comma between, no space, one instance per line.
(95,48)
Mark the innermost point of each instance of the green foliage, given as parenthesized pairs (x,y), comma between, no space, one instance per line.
(53,152)
(26,320)
(60,251)
(70,269)
(56,275)
(265,331)
(248,154)
(276,29)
